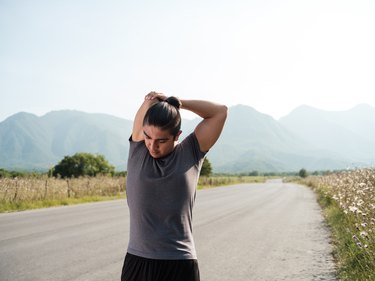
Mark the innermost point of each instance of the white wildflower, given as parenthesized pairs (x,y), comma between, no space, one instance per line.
(360,202)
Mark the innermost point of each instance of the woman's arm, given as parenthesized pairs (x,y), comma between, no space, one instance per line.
(150,99)
(214,116)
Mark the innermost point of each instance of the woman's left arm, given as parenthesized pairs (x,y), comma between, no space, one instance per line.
(210,128)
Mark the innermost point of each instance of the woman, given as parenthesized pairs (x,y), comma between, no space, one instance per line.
(161,185)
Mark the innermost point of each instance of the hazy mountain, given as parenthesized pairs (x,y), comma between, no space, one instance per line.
(350,133)
(24,142)
(255,141)
(306,138)
(31,142)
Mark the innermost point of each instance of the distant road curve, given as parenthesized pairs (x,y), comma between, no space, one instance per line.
(271,231)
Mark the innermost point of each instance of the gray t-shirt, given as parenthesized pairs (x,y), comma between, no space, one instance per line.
(160,195)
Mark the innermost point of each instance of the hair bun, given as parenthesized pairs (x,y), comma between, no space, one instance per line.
(174,101)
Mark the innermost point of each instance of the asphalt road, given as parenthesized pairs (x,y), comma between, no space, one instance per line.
(271,231)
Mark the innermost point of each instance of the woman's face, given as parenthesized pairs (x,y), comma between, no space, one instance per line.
(159,142)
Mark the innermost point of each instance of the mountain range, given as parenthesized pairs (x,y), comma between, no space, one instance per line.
(307,138)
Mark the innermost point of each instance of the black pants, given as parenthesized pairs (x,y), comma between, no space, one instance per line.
(142,269)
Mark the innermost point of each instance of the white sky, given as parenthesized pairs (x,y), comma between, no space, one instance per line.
(104,56)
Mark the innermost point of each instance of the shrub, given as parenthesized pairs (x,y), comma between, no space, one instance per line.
(82,164)
(302,173)
(206,168)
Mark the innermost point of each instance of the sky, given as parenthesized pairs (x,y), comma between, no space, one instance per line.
(105,56)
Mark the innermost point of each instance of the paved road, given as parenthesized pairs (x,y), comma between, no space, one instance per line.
(270,231)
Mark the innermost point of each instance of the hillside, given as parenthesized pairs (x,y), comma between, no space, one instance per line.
(258,142)
(31,142)
(306,138)
(350,133)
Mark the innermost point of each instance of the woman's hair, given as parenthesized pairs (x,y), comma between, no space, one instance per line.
(165,115)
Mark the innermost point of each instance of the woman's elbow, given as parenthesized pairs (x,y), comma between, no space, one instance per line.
(224,111)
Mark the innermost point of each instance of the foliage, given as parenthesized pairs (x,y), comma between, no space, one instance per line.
(206,168)
(254,173)
(302,173)
(17,174)
(348,199)
(82,164)
(120,174)
(5,174)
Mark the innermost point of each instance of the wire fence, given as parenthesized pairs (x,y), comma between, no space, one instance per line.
(31,189)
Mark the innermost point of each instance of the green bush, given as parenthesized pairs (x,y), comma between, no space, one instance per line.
(82,164)
(302,173)
(206,170)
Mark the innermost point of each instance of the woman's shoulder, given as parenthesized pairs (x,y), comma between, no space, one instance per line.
(190,142)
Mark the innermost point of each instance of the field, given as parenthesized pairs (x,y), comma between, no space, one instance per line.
(42,191)
(348,201)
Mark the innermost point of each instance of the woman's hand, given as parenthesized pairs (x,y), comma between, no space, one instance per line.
(155,95)
(150,99)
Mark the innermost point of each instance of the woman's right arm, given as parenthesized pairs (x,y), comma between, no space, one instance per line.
(150,99)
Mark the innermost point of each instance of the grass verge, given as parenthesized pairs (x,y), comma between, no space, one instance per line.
(354,261)
(28,205)
(34,193)
(209,182)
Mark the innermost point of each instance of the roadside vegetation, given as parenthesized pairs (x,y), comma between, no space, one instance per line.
(30,192)
(84,178)
(348,202)
(39,191)
(220,180)
(347,199)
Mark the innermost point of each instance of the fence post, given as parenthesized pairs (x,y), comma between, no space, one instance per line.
(16,193)
(67,181)
(45,189)
(88,193)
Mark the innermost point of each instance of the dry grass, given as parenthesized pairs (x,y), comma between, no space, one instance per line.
(349,202)
(207,182)
(25,193)
(42,191)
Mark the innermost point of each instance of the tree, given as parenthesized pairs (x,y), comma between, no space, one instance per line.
(206,168)
(82,164)
(302,173)
(254,173)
